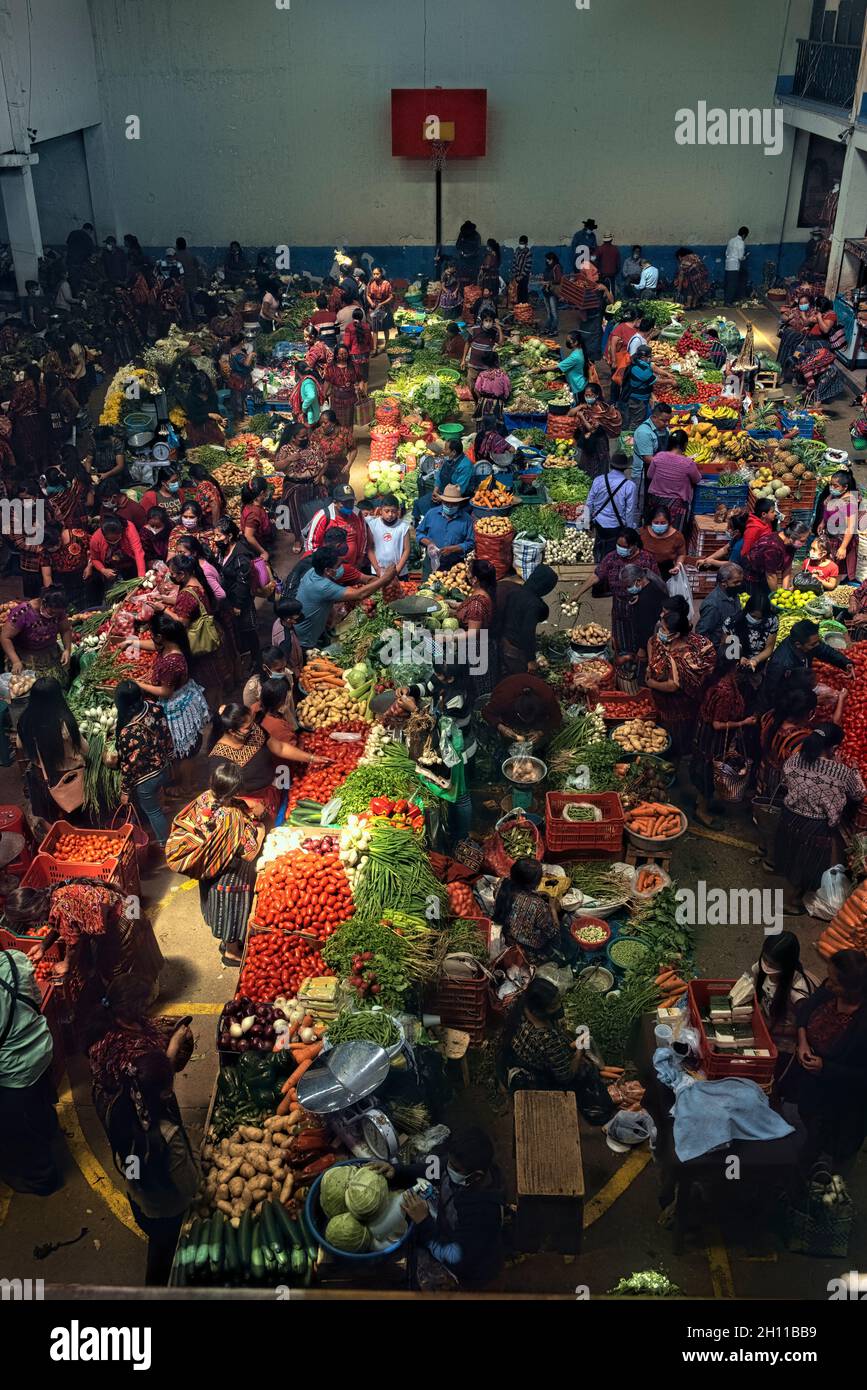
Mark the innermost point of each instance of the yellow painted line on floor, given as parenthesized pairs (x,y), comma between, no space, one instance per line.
(616,1186)
(91,1169)
(5,1201)
(722,839)
(720,1268)
(202,1007)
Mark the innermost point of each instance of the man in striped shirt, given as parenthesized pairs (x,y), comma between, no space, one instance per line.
(521,268)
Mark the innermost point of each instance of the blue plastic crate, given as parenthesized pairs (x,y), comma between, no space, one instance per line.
(801,421)
(709,495)
(765,434)
(411,330)
(525,422)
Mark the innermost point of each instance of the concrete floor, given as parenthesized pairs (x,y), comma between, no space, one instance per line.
(738,1257)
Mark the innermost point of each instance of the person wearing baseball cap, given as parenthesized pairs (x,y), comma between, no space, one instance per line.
(608,261)
(342,511)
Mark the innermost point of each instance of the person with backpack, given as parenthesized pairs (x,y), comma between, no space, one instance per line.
(153,1154)
(216,839)
(612,503)
(28,1122)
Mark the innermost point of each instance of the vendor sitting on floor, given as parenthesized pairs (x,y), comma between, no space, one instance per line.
(523,709)
(528,917)
(537,1054)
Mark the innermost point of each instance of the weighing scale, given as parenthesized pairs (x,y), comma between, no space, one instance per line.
(523,793)
(342,1088)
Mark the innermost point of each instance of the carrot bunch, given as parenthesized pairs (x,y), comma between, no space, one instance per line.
(848,930)
(654,820)
(648,880)
(670,986)
(321,674)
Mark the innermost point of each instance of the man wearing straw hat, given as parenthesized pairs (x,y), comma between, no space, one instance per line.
(446,531)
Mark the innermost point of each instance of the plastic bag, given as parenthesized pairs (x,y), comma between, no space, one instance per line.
(678,584)
(831,894)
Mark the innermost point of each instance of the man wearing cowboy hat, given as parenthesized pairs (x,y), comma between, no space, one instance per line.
(454,467)
(447,528)
(586,237)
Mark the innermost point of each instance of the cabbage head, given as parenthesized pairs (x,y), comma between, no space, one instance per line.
(345,1233)
(366,1192)
(332,1190)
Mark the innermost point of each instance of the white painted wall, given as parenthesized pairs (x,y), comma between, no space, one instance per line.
(273,125)
(55,62)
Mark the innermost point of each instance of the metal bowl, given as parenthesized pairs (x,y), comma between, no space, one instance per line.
(538,766)
(416,606)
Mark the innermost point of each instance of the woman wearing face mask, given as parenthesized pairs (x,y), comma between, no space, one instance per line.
(609,574)
(795,323)
(723,717)
(750,637)
(672,477)
(181,697)
(205,424)
(69,489)
(537,1053)
(595,424)
(820,790)
(663,540)
(191,522)
(782,984)
(63,562)
(832,1055)
(239,581)
(679,665)
(167,492)
(837,509)
(155,535)
(238,738)
(212,669)
(207,493)
(302,465)
(646,593)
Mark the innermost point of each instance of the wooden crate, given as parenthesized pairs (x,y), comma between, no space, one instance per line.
(643,858)
(550,1172)
(706,536)
(574,574)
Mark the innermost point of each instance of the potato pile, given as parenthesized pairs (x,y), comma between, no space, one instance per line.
(321,709)
(230,475)
(591,635)
(494,526)
(245,1169)
(640,736)
(19,686)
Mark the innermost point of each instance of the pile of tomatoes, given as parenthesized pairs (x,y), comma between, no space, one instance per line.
(304,892)
(320,782)
(87,849)
(278,964)
(853,749)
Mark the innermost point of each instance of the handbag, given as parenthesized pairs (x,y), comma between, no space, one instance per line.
(363,410)
(731,772)
(204,635)
(68,790)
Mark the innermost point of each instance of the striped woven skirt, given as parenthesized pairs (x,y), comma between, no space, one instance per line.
(804,847)
(227,900)
(187,713)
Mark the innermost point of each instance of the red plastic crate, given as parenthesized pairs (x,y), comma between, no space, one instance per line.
(123,869)
(463,1004)
(604,834)
(722,1064)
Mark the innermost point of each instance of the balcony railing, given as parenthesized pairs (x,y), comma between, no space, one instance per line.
(826,72)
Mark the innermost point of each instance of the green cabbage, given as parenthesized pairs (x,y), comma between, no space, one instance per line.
(366,1192)
(345,1233)
(332,1189)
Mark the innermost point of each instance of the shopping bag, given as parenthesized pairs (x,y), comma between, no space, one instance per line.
(678,584)
(527,555)
(497,858)
(731,772)
(831,894)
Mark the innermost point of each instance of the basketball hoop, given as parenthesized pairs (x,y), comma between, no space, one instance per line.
(438,153)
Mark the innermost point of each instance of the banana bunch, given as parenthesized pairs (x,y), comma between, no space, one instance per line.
(739,445)
(718,412)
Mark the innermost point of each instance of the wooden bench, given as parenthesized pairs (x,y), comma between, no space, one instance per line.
(550,1174)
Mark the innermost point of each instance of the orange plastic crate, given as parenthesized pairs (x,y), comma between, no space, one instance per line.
(123,867)
(45,871)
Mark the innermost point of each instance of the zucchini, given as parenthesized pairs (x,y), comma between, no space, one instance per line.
(245,1242)
(310,1241)
(257,1259)
(300,1263)
(215,1248)
(178,1268)
(272,1237)
(187,1253)
(290,1229)
(203,1248)
(231,1260)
